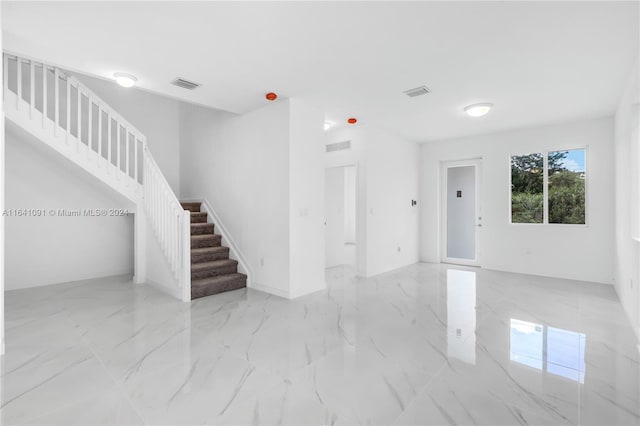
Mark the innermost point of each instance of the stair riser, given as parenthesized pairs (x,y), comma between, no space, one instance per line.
(202,230)
(198,219)
(214,272)
(240,282)
(209,257)
(192,207)
(214,241)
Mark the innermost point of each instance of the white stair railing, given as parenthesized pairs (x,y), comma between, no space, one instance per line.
(170,221)
(65,114)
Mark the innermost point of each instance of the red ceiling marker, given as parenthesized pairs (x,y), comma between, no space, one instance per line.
(352,120)
(271,96)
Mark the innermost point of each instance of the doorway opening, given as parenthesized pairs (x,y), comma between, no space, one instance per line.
(461,212)
(340,216)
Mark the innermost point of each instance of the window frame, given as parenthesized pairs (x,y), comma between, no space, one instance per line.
(545,187)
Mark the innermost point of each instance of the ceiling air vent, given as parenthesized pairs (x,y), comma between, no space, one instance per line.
(418,91)
(338,146)
(185,84)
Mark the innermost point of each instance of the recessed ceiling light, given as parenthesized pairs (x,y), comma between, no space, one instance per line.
(327,125)
(478,110)
(125,80)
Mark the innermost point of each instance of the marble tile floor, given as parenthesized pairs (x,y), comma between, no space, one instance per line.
(422,345)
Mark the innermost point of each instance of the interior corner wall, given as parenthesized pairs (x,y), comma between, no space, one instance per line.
(68,248)
(387,181)
(563,251)
(627,199)
(307,143)
(157,117)
(240,165)
(392,182)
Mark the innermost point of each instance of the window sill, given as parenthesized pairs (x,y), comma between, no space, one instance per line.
(553,225)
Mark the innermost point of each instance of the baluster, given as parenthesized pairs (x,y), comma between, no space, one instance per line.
(145,192)
(32,89)
(45,94)
(79,118)
(5,74)
(109,142)
(68,109)
(127,159)
(135,159)
(56,100)
(89,126)
(19,80)
(172,225)
(118,148)
(99,156)
(162,221)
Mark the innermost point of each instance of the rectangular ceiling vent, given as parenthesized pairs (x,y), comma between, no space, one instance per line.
(185,84)
(339,146)
(418,91)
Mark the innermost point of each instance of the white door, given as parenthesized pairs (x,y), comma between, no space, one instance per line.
(461,216)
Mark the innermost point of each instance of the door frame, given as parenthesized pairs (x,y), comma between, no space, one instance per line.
(444,167)
(360,230)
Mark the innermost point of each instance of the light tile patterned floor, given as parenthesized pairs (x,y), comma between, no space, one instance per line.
(426,345)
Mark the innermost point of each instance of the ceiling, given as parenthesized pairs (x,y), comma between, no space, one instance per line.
(538,62)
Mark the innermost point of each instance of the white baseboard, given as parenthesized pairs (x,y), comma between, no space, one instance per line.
(268,289)
(286,294)
(176,293)
(321,286)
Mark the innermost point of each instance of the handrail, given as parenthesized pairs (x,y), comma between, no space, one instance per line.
(79,117)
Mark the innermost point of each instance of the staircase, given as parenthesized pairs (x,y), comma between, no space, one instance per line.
(66,115)
(212,271)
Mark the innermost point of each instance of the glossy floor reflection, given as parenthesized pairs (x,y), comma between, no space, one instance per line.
(424,345)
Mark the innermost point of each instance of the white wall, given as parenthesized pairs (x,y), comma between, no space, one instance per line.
(392,182)
(574,252)
(157,117)
(350,204)
(387,182)
(334,229)
(240,165)
(461,212)
(48,250)
(627,194)
(306,198)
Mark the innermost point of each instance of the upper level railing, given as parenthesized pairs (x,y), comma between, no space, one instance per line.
(79,115)
(91,133)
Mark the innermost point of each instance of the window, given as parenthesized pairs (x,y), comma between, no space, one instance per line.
(549,187)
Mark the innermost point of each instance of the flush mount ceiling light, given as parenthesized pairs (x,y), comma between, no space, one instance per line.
(125,80)
(327,125)
(478,110)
